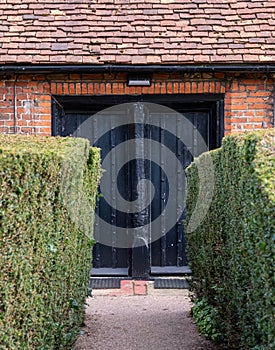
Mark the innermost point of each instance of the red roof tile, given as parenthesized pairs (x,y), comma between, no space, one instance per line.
(137,31)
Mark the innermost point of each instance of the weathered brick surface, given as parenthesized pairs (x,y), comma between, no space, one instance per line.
(140,287)
(137,32)
(25,100)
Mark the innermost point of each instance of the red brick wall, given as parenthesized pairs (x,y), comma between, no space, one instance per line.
(249,104)
(249,98)
(31,113)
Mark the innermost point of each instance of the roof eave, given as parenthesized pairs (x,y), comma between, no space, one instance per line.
(116,68)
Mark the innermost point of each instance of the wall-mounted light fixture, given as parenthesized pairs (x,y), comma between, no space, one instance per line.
(138,81)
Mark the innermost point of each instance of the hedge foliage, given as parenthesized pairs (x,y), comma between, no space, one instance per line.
(232,251)
(47,198)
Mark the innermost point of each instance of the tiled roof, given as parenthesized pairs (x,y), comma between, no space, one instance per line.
(137,31)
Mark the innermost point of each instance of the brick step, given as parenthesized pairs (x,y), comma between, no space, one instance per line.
(118,286)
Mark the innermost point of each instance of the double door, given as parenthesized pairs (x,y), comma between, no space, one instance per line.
(145,148)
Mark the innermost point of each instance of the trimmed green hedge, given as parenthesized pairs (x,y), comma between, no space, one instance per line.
(232,251)
(47,198)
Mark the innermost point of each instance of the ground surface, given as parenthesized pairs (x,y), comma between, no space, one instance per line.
(159,320)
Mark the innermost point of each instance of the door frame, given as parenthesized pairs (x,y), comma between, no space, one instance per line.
(63,104)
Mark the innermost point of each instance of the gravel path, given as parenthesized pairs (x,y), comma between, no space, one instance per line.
(151,322)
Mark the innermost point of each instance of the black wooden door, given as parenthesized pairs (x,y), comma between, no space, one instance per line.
(145,148)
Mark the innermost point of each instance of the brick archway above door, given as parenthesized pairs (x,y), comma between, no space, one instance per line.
(117,85)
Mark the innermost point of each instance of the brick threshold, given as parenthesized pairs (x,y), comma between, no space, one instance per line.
(127,288)
(137,288)
(131,287)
